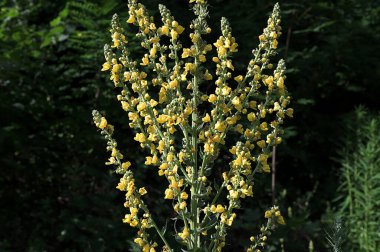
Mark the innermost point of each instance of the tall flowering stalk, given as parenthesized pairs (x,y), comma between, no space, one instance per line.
(185,128)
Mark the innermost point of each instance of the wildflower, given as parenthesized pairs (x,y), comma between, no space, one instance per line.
(165,102)
(103,123)
(268,214)
(165,30)
(280,220)
(184,234)
(239,78)
(207,75)
(206,119)
(289,112)
(261,143)
(186,53)
(141,106)
(280,83)
(169,194)
(126,165)
(184,195)
(212,98)
(251,117)
(142,191)
(145,60)
(106,66)
(220,126)
(140,137)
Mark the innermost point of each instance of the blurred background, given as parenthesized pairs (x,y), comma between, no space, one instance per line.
(56,194)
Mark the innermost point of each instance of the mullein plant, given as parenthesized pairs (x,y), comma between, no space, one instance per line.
(185,128)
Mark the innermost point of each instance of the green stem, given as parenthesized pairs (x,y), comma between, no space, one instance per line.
(194,143)
(156,228)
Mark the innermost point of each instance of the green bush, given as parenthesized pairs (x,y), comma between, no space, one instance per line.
(360,181)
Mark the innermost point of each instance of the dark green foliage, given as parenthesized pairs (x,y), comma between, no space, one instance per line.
(56,193)
(359,191)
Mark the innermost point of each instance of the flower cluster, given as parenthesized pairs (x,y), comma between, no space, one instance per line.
(164,96)
(138,215)
(273,217)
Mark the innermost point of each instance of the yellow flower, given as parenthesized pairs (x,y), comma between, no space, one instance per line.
(153,51)
(184,195)
(229,65)
(179,29)
(174,34)
(153,103)
(141,106)
(276,106)
(206,119)
(164,166)
(239,78)
(185,234)
(209,148)
(236,101)
(142,191)
(114,152)
(106,66)
(140,137)
(127,76)
(182,205)
(264,126)
(280,83)
(234,194)
(194,38)
(116,68)
(140,12)
(278,140)
(181,156)
(126,165)
(218,209)
(162,119)
(165,30)
(269,80)
(266,168)
(131,19)
(170,157)
(186,53)
(289,112)
(216,59)
(139,241)
(161,145)
(212,98)
(261,144)
(125,105)
(169,194)
(268,214)
(274,43)
(103,123)
(207,75)
(134,223)
(173,84)
(251,117)
(280,220)
(122,184)
(220,126)
(226,90)
(148,160)
(145,60)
